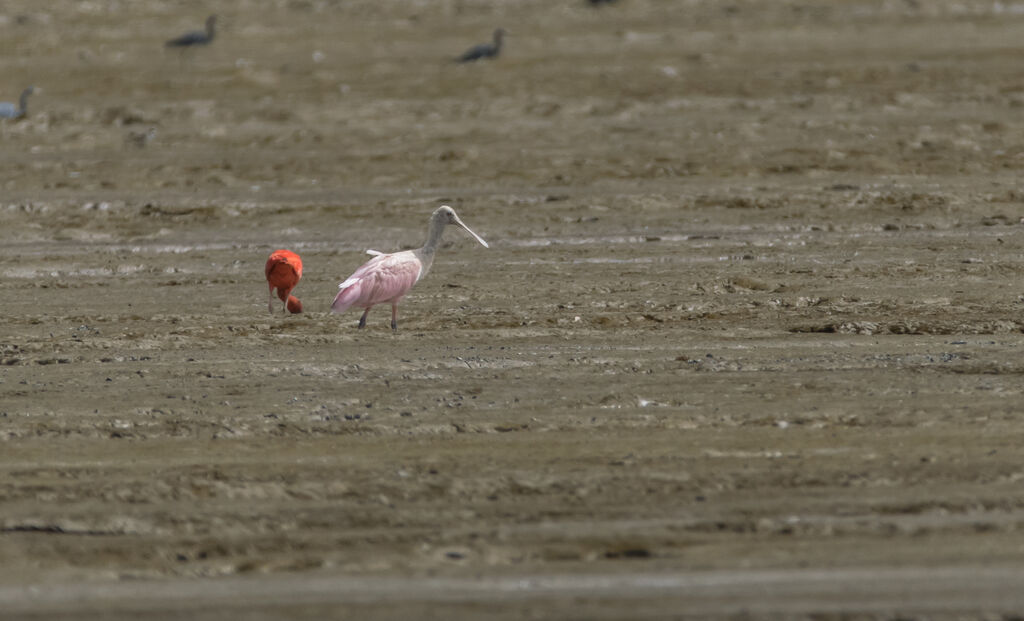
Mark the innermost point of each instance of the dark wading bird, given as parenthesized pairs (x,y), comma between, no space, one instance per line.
(196,37)
(484,50)
(141,138)
(11,111)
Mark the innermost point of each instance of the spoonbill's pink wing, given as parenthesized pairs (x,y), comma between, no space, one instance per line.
(351,290)
(351,293)
(384,278)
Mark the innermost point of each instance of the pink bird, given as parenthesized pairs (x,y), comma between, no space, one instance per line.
(284,269)
(388,277)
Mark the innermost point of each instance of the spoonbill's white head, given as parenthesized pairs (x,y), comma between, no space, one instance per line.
(447,215)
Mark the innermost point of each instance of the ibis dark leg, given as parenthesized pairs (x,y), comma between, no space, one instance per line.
(362,320)
(394,318)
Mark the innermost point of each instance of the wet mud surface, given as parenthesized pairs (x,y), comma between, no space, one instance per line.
(751,314)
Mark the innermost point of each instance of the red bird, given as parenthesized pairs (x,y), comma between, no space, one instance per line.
(284,269)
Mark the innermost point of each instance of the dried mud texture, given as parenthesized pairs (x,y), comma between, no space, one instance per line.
(747,340)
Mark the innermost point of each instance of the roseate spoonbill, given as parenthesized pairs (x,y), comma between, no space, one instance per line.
(10,111)
(196,37)
(284,269)
(484,50)
(388,277)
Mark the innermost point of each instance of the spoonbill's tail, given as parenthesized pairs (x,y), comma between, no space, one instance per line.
(350,292)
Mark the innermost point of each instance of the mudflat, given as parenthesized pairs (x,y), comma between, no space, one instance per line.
(747,340)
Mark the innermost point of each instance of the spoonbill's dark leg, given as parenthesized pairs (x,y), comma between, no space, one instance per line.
(394,318)
(362,320)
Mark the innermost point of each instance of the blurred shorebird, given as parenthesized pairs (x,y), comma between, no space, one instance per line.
(484,50)
(196,37)
(140,139)
(388,277)
(12,111)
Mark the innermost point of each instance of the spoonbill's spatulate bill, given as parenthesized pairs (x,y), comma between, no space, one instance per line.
(10,111)
(196,37)
(284,269)
(386,278)
(484,50)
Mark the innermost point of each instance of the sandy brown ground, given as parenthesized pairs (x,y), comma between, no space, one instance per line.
(748,340)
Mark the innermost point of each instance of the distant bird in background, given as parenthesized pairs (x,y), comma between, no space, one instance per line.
(484,50)
(388,277)
(601,2)
(196,37)
(284,269)
(140,139)
(11,111)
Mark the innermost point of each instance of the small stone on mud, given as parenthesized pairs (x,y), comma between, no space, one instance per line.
(750,283)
